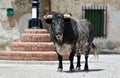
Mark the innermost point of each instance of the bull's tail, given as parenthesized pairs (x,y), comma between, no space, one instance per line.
(95,51)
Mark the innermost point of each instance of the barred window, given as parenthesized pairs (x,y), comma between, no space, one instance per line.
(97,15)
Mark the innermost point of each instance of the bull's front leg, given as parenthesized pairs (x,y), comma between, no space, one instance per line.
(60,67)
(71,58)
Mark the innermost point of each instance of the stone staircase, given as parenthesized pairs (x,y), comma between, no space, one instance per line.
(34,44)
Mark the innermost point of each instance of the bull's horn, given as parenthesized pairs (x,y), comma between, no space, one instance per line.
(67,16)
(47,16)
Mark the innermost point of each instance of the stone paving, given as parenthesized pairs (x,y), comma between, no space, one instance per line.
(107,66)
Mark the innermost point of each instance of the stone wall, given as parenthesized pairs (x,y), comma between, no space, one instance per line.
(113,25)
(12,26)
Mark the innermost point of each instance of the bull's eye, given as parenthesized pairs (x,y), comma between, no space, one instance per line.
(62,21)
(53,21)
(53,26)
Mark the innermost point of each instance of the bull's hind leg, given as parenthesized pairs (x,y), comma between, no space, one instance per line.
(78,62)
(86,57)
(60,67)
(86,62)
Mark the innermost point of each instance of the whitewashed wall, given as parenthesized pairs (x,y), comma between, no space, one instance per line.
(11,27)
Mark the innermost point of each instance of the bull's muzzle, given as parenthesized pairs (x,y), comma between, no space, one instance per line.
(59,37)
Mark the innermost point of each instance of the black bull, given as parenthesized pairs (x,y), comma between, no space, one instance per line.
(72,33)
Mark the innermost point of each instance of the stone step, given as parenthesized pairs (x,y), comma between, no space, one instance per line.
(32,46)
(35,45)
(23,55)
(29,37)
(35,31)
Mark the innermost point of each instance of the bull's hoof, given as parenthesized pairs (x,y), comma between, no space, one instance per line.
(60,70)
(72,70)
(86,69)
(78,68)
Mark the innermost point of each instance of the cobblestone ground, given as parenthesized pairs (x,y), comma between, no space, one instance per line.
(107,66)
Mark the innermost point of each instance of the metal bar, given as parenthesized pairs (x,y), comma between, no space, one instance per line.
(106,22)
(82,11)
(102,33)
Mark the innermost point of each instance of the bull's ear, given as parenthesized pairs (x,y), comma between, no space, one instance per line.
(67,17)
(48,19)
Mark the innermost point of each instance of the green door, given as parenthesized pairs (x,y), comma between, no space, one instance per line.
(96,17)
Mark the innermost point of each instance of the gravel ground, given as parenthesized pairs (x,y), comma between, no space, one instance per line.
(107,66)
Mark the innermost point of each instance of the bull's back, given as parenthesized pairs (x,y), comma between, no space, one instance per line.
(85,30)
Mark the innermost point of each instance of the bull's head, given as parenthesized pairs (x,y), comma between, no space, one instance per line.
(57,20)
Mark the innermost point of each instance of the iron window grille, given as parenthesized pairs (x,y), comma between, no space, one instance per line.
(97,15)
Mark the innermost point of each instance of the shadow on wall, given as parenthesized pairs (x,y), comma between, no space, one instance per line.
(22,13)
(23,22)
